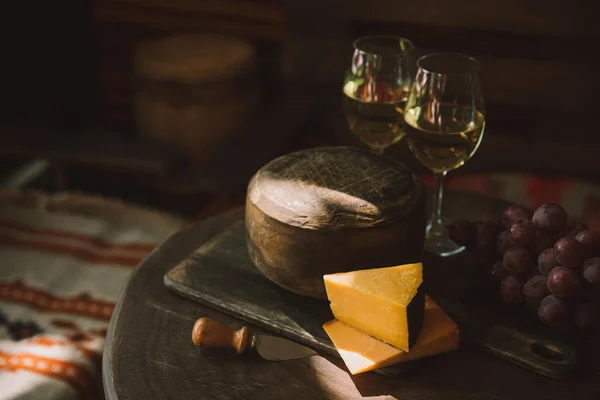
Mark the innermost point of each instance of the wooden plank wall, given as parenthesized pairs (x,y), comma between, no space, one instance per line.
(120,24)
(538,58)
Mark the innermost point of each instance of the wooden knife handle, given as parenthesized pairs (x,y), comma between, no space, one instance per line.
(210,333)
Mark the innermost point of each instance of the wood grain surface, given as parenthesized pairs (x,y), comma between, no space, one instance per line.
(149,353)
(221,275)
(305,207)
(335,188)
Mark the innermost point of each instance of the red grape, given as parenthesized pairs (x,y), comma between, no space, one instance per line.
(542,242)
(462,232)
(591,272)
(590,240)
(554,312)
(592,260)
(569,252)
(498,271)
(534,290)
(495,225)
(550,217)
(517,261)
(521,233)
(502,243)
(514,213)
(585,315)
(573,229)
(546,261)
(563,282)
(511,290)
(485,238)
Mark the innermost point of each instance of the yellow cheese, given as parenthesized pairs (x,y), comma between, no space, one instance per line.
(362,353)
(387,303)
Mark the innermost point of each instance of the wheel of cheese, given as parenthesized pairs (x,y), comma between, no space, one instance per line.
(332,209)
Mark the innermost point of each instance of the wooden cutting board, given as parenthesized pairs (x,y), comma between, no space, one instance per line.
(220,274)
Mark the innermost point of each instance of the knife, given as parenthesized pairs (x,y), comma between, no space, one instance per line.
(210,333)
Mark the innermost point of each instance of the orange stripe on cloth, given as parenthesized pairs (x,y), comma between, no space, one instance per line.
(78,237)
(77,377)
(45,341)
(17,292)
(87,255)
(92,355)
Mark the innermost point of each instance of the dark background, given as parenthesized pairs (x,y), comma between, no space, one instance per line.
(67,70)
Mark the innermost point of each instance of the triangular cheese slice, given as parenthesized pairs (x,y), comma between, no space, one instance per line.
(362,353)
(387,303)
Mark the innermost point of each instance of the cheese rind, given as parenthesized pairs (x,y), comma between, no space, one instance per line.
(387,303)
(362,353)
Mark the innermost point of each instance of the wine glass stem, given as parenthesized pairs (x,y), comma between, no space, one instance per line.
(378,150)
(436,209)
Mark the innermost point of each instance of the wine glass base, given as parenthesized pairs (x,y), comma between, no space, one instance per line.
(437,241)
(444,249)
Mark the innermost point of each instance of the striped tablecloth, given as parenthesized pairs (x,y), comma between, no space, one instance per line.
(63,263)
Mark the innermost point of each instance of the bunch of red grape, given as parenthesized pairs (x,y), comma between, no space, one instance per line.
(540,263)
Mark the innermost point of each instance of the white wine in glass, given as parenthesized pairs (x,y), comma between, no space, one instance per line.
(446,144)
(445,121)
(376,88)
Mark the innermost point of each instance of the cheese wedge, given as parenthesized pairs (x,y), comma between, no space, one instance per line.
(362,353)
(387,303)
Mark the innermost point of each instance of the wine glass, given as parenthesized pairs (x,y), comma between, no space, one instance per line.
(376,87)
(445,120)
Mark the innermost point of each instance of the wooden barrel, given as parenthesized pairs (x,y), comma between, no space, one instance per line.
(195,91)
(332,209)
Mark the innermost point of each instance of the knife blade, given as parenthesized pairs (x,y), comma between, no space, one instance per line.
(210,333)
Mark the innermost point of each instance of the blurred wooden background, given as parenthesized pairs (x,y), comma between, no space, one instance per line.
(538,59)
(538,66)
(120,24)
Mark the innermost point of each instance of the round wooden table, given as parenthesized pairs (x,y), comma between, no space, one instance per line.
(149,353)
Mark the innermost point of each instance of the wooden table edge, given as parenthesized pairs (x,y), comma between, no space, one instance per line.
(110,391)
